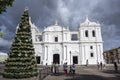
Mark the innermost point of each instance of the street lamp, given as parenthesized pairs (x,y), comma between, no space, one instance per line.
(70,57)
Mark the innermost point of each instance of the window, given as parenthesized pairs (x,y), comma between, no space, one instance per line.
(74,37)
(91,47)
(56,39)
(93,33)
(36,39)
(40,38)
(91,55)
(86,33)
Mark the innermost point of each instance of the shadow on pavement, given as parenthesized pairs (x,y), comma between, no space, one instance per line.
(61,74)
(92,77)
(111,72)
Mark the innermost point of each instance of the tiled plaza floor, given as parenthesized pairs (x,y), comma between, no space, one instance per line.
(82,73)
(88,73)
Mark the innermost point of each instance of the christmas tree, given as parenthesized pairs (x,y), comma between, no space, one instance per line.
(4,4)
(21,62)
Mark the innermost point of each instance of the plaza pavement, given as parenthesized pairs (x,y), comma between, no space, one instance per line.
(88,73)
(82,73)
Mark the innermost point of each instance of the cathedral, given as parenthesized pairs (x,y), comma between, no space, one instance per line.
(57,44)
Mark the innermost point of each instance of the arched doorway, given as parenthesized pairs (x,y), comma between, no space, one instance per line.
(75,59)
(38,58)
(56,58)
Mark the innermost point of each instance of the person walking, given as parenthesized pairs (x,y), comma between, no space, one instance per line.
(46,65)
(101,65)
(115,66)
(104,66)
(98,65)
(52,66)
(87,62)
(57,67)
(65,68)
(70,71)
(73,69)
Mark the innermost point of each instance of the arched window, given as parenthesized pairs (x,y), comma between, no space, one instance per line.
(93,33)
(86,33)
(56,39)
(91,47)
(91,54)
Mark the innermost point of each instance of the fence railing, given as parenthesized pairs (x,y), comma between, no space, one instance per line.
(44,72)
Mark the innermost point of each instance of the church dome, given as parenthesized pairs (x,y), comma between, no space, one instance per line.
(55,27)
(88,23)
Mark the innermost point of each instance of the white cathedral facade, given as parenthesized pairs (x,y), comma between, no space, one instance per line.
(57,44)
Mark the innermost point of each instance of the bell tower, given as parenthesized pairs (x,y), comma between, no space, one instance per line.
(91,44)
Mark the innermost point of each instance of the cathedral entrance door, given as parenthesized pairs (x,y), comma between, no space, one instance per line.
(56,58)
(75,59)
(38,59)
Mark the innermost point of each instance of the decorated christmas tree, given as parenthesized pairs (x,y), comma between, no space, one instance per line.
(21,62)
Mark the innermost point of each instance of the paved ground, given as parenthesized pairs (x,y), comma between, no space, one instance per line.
(82,73)
(88,73)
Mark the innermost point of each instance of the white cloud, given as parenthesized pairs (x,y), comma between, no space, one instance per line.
(4,42)
(69,12)
(63,11)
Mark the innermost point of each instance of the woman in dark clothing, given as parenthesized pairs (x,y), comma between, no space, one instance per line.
(115,66)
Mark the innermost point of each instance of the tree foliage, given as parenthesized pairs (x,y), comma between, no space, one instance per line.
(1,34)
(21,62)
(4,4)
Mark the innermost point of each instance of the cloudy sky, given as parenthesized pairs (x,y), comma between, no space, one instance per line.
(68,13)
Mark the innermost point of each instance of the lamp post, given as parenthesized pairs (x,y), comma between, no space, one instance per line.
(70,57)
